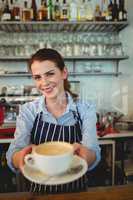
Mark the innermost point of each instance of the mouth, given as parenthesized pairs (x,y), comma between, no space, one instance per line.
(47,89)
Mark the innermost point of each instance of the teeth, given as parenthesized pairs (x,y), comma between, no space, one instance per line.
(47,89)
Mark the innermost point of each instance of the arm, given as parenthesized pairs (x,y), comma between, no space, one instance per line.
(21,140)
(89,149)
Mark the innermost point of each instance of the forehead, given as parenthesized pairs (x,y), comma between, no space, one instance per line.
(43,66)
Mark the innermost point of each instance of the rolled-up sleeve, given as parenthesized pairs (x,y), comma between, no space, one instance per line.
(89,136)
(24,125)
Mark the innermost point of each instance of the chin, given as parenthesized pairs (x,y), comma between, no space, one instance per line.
(50,95)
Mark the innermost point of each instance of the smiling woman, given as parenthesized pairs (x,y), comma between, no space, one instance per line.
(58,115)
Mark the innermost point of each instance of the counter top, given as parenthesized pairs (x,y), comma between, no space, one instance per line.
(122,134)
(124,192)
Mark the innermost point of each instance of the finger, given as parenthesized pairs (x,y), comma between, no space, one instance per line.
(76,147)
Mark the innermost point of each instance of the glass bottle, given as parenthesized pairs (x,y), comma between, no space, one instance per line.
(110,8)
(64,11)
(104,10)
(11,5)
(82,11)
(26,13)
(42,11)
(122,12)
(89,12)
(115,11)
(73,11)
(56,10)
(2,5)
(125,15)
(97,13)
(33,10)
(16,11)
(6,15)
(50,10)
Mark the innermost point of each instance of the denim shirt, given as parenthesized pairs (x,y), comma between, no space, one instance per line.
(27,115)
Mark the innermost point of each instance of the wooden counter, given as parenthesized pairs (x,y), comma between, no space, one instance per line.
(124,192)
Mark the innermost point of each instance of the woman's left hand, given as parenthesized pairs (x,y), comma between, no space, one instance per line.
(85,153)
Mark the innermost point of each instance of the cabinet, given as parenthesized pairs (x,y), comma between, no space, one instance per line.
(84,45)
(76,41)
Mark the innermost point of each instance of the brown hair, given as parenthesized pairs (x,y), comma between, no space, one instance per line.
(54,56)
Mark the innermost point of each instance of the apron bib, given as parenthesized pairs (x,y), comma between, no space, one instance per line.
(43,132)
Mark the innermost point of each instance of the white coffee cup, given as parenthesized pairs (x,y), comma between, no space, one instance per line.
(51,158)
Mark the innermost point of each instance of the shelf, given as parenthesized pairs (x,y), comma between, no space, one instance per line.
(96,74)
(57,26)
(96,58)
(25,58)
(19,98)
(16,75)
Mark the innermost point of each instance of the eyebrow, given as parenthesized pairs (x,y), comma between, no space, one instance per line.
(44,73)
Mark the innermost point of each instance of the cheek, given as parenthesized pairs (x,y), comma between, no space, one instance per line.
(37,84)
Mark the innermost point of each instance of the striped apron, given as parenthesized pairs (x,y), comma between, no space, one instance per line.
(43,132)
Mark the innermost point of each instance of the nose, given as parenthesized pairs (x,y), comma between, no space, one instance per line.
(45,80)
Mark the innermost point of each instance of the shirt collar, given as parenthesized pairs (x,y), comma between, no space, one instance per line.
(71,106)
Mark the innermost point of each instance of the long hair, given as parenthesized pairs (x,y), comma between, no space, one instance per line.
(54,56)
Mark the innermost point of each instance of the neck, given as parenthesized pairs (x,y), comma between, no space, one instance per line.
(60,102)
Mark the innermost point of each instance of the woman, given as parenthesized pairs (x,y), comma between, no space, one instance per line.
(57,115)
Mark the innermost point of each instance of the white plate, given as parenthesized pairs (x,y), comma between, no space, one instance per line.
(69,176)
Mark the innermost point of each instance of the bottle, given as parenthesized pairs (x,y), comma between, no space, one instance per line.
(42,14)
(11,5)
(115,11)
(50,10)
(2,5)
(97,13)
(64,11)
(56,10)
(33,10)
(110,8)
(26,12)
(122,12)
(6,15)
(89,10)
(82,11)
(104,10)
(16,11)
(73,11)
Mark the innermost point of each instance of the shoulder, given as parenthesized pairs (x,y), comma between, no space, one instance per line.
(86,108)
(32,107)
(83,105)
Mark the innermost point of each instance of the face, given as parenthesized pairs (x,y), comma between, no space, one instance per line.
(48,78)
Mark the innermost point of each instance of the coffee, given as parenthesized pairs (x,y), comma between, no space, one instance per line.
(53,149)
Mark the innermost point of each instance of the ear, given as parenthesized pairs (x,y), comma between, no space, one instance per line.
(65,73)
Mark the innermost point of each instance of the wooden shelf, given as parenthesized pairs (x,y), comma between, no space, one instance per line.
(57,26)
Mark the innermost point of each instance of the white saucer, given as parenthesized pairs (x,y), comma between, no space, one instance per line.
(41,178)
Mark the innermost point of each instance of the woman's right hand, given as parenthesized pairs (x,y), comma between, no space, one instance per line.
(18,157)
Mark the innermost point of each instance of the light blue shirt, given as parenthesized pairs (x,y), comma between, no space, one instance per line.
(27,115)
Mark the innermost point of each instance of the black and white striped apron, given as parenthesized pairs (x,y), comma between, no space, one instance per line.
(44,131)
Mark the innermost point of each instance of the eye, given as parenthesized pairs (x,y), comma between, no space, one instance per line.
(36,77)
(50,74)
